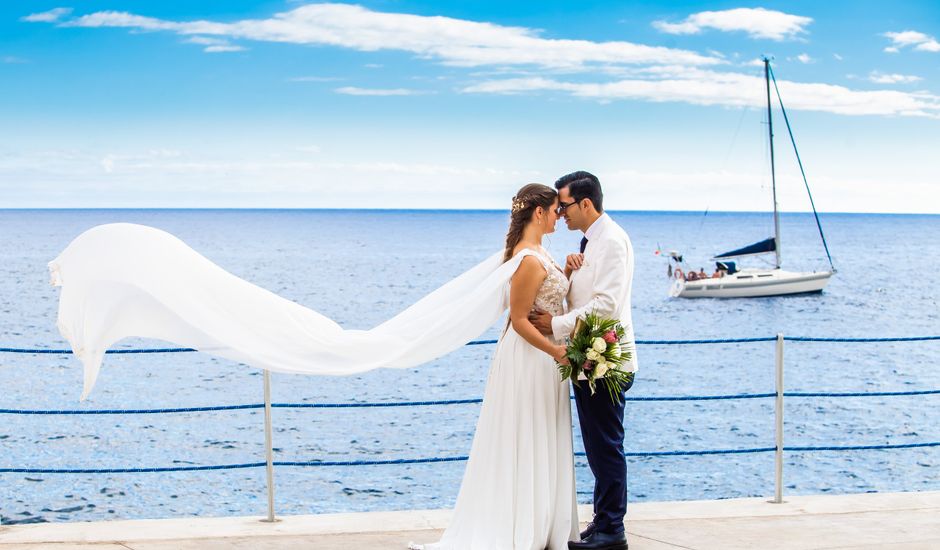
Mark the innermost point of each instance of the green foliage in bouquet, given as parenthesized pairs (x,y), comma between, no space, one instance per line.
(597,349)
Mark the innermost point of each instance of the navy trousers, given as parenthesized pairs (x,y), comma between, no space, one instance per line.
(601,420)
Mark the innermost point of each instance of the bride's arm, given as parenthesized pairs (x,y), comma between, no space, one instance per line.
(522,291)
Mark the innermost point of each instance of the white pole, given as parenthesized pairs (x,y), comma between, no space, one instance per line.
(778,410)
(268,446)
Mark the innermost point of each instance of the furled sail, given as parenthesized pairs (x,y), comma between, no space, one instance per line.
(763,247)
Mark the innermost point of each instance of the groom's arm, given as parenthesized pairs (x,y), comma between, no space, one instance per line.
(610,281)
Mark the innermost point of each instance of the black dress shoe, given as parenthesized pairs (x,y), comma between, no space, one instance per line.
(588,531)
(600,541)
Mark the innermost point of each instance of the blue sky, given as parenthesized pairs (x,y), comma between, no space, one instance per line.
(396,104)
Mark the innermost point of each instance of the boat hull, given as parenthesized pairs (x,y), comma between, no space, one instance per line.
(752,284)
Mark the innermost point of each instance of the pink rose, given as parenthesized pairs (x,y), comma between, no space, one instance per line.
(588,365)
(610,337)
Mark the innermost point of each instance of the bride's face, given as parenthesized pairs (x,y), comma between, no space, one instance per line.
(551,217)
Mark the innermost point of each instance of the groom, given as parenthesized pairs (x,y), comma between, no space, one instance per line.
(601,277)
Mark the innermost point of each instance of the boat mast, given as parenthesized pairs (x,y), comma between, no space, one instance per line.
(773,176)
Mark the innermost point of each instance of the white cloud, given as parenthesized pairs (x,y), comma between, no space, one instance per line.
(907,38)
(928,46)
(223,48)
(702,87)
(837,57)
(112,162)
(451,41)
(353,90)
(756,22)
(883,78)
(633,71)
(918,40)
(804,58)
(50,16)
(214,45)
(734,190)
(315,149)
(12,60)
(102,178)
(258,182)
(277,178)
(164,163)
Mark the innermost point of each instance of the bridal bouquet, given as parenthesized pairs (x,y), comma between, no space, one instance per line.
(597,349)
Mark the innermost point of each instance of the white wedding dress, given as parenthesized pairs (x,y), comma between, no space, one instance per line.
(127,280)
(518,491)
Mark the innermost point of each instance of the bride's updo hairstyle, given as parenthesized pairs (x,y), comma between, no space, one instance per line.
(530,197)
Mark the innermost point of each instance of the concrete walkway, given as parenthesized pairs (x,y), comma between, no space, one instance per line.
(867,521)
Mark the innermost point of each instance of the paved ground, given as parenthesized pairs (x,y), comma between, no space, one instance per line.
(867,521)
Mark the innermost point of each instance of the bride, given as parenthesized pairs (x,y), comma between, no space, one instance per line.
(125,280)
(518,489)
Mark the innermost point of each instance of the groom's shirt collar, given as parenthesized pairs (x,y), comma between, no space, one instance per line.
(595,227)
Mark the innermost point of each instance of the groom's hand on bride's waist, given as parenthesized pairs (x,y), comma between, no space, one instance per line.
(542,321)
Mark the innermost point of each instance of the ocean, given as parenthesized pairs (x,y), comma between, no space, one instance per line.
(362,267)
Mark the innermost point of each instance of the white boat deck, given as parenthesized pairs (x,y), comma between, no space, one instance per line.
(865,521)
(752,283)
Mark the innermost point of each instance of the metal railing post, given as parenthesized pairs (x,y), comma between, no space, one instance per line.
(778,416)
(268,446)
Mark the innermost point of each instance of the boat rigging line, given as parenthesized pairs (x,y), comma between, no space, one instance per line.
(800,163)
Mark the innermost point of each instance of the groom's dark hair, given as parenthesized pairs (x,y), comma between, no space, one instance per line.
(583,185)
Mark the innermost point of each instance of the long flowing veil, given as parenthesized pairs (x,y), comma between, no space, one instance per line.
(123,280)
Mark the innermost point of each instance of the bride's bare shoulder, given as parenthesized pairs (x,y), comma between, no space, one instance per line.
(530,268)
(522,247)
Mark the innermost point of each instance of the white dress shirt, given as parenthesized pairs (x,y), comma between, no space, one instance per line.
(603,283)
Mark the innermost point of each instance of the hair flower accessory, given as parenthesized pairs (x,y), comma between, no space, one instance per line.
(517,204)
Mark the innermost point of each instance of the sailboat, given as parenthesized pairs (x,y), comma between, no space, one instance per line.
(757,282)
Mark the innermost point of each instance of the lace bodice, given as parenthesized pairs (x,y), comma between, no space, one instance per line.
(554,289)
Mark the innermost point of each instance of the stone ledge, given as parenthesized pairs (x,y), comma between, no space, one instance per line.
(915,517)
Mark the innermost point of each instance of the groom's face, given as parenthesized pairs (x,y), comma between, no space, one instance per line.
(572,212)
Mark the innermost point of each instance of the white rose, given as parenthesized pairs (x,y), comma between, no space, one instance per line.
(600,370)
(593,355)
(599,345)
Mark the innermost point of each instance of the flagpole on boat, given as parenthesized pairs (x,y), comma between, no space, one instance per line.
(773,175)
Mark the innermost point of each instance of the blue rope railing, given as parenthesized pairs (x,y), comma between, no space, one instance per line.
(438,459)
(130,470)
(861,394)
(652,398)
(470,401)
(482,342)
(862,447)
(109,352)
(860,340)
(134,411)
(709,341)
(472,343)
